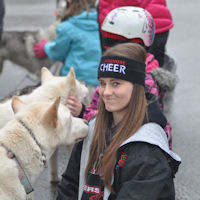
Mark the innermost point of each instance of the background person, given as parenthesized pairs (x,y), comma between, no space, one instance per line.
(161,15)
(77,43)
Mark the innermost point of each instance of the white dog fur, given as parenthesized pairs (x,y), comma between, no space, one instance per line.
(51,124)
(51,88)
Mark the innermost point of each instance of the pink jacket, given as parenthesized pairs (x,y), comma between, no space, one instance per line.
(157,8)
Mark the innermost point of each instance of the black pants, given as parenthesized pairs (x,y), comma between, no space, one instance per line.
(158,47)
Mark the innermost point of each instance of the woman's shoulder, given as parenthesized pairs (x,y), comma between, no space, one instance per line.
(141,155)
(153,134)
(142,151)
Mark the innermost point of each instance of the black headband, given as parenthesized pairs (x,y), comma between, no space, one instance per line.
(122,68)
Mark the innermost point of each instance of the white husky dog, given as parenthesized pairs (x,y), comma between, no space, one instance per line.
(51,88)
(28,141)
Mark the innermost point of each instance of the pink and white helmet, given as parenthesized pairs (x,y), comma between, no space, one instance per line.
(130,22)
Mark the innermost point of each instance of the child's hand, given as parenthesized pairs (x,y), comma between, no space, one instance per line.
(74,105)
(39,48)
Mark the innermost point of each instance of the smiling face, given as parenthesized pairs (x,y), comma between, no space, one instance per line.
(116,94)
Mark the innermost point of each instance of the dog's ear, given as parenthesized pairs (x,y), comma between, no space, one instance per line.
(71,80)
(46,75)
(72,73)
(17,104)
(51,115)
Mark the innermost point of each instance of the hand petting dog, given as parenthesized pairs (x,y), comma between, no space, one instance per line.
(74,105)
(39,48)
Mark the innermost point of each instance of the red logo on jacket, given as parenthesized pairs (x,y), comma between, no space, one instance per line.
(122,159)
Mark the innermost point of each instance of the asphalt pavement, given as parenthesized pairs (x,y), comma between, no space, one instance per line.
(183,46)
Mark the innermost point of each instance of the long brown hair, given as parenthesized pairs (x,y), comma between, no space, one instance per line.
(130,123)
(76,7)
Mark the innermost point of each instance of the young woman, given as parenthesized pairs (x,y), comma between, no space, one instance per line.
(124,156)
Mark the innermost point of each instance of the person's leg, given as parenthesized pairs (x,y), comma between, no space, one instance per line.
(158,47)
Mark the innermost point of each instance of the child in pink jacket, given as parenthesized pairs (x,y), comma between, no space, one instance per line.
(160,13)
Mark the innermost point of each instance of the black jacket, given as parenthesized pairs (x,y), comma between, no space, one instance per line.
(146,174)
